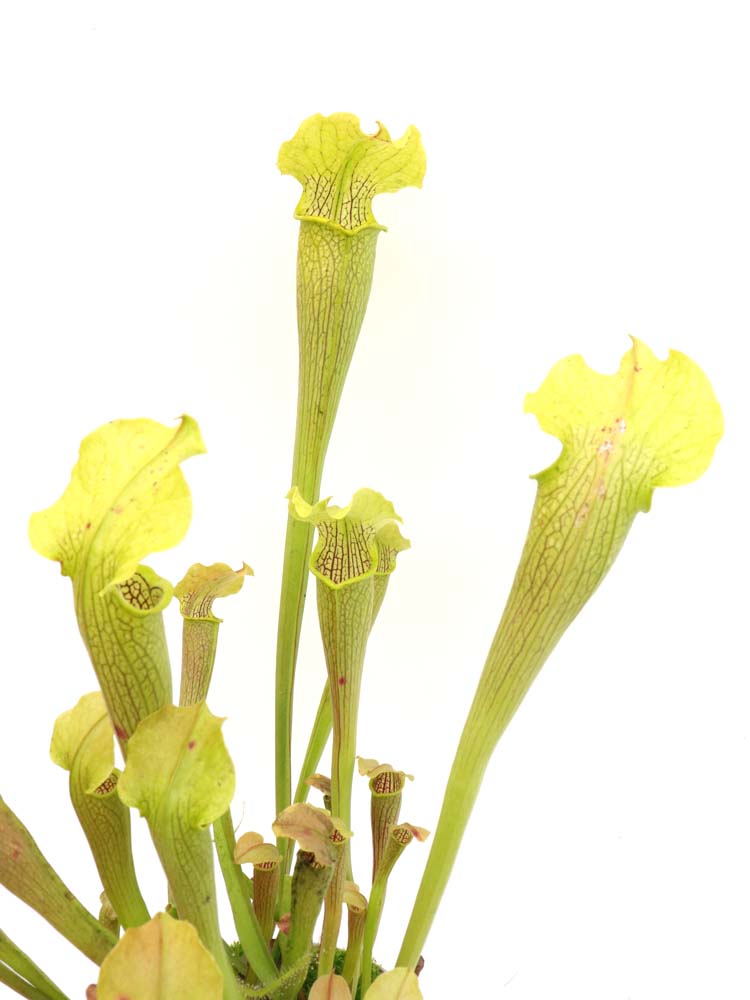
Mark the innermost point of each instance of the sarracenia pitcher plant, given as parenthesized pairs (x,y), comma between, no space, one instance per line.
(341,170)
(653,423)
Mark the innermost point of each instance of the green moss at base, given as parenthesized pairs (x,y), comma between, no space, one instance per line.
(338,964)
(239,962)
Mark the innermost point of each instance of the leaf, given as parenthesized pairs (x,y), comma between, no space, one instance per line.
(246,842)
(658,421)
(384,778)
(178,762)
(246,852)
(354,899)
(330,987)
(126,499)
(341,168)
(653,423)
(82,743)
(162,960)
(180,777)
(201,585)
(405,833)
(321,782)
(86,730)
(398,984)
(354,542)
(312,828)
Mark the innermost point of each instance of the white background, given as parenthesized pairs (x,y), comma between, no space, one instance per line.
(588,177)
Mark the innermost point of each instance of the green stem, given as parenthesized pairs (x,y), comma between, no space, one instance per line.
(25,989)
(353,957)
(309,884)
(319,735)
(26,873)
(105,821)
(321,730)
(398,839)
(372,923)
(461,793)
(293,593)
(246,922)
(187,859)
(334,902)
(12,956)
